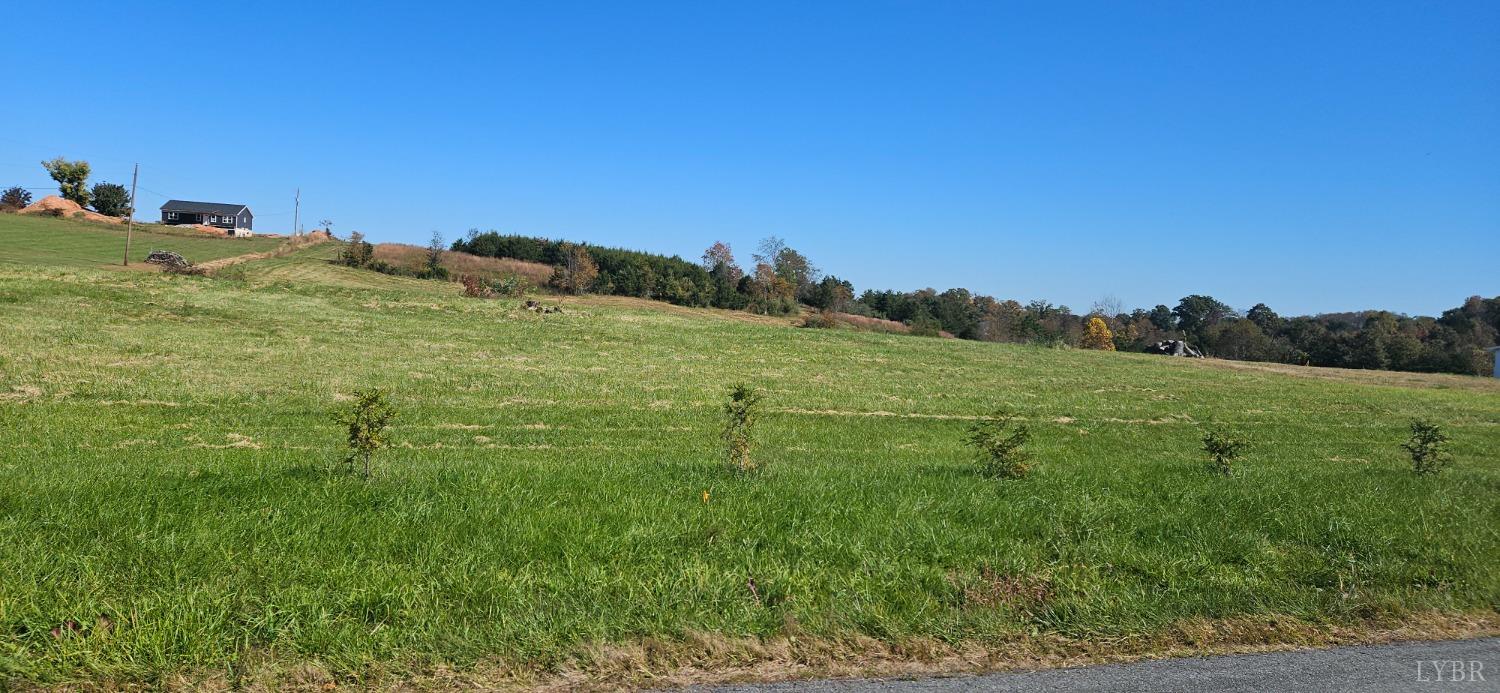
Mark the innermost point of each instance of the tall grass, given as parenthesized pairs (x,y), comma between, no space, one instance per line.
(460,264)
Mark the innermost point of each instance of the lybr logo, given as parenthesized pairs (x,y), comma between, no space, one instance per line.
(1435,670)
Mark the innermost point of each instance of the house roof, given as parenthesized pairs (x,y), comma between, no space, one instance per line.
(202,207)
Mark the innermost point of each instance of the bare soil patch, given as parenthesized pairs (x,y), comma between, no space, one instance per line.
(57,206)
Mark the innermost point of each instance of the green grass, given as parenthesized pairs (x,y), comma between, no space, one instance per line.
(164,442)
(27,238)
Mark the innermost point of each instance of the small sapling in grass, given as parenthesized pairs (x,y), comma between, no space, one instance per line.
(1223,449)
(366,422)
(999,440)
(1428,447)
(740,413)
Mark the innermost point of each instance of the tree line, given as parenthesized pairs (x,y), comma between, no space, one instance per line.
(780,280)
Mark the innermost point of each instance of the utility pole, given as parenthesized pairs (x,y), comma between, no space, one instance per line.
(297,215)
(129,230)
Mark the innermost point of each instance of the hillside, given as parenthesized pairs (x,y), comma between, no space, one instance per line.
(76,243)
(555,509)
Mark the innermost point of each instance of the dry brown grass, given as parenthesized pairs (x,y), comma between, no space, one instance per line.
(706,658)
(631,302)
(1361,377)
(413,258)
(868,324)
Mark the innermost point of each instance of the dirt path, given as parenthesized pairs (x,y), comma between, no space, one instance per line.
(290,245)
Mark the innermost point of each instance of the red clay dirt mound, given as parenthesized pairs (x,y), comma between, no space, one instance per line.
(52,204)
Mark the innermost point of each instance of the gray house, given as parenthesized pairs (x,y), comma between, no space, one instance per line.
(236,220)
(1495,352)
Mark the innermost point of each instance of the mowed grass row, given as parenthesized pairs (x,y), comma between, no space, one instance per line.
(32,239)
(164,443)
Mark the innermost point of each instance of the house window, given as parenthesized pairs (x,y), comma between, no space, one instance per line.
(213,220)
(171,215)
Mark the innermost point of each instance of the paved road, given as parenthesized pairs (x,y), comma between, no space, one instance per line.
(1402,667)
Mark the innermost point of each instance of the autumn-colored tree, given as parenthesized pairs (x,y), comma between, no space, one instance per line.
(719,254)
(1097,335)
(577,271)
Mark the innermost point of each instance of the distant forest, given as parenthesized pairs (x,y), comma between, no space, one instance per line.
(781,280)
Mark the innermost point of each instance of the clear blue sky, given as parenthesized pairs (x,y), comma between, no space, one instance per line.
(1315,156)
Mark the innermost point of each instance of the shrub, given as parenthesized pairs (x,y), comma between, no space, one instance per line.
(110,199)
(1097,335)
(474,287)
(366,423)
(1223,449)
(926,326)
(357,252)
(740,413)
(822,319)
(432,265)
(999,441)
(1428,447)
(14,198)
(510,285)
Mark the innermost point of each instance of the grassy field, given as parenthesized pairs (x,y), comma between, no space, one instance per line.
(27,238)
(555,495)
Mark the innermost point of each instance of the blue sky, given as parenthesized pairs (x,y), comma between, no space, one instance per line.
(1314,156)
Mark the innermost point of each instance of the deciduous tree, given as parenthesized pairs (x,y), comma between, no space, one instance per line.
(1196,313)
(576,272)
(1098,336)
(720,254)
(71,177)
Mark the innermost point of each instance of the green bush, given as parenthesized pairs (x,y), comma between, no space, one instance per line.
(1428,447)
(110,199)
(1223,449)
(740,413)
(357,251)
(510,285)
(366,422)
(999,440)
